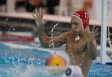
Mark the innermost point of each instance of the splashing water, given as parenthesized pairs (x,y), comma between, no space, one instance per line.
(27,62)
(52,41)
(32,71)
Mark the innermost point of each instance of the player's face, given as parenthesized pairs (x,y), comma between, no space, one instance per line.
(76,25)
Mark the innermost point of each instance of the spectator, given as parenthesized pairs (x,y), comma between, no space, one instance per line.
(2,5)
(2,2)
(51,5)
(48,6)
(32,4)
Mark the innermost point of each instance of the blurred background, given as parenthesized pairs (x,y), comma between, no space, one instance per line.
(54,7)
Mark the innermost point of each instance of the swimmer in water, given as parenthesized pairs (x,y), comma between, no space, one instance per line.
(80,42)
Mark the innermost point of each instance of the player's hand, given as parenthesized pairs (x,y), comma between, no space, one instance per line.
(38,16)
(92,35)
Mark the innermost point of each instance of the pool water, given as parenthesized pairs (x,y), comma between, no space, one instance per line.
(29,60)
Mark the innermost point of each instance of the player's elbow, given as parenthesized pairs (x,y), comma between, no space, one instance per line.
(45,42)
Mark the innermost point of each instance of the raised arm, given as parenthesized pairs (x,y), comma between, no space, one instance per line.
(89,41)
(44,39)
(92,45)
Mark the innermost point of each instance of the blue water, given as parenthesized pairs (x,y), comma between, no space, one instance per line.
(30,61)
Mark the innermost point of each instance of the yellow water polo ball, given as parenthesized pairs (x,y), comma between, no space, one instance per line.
(55,60)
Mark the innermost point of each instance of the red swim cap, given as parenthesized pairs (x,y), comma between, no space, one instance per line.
(83,15)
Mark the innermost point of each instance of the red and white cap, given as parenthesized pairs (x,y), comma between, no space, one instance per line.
(83,16)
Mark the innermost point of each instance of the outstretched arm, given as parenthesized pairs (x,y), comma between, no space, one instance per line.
(44,39)
(89,42)
(92,45)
